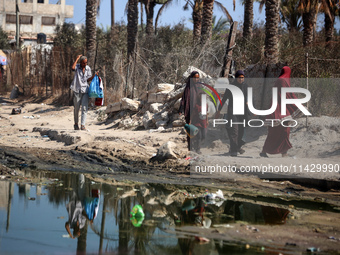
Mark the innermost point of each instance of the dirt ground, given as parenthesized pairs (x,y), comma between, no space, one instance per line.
(42,137)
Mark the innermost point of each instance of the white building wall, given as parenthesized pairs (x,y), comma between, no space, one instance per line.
(37,10)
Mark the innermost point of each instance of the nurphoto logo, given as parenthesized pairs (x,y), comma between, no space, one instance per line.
(239,99)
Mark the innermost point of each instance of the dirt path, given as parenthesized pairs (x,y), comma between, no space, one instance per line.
(42,138)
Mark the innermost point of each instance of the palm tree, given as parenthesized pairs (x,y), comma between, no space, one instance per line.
(290,15)
(272,31)
(132,27)
(208,8)
(220,25)
(197,14)
(112,18)
(331,10)
(149,10)
(310,10)
(207,18)
(92,8)
(248,19)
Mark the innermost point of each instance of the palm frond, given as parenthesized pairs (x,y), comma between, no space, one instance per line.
(262,3)
(160,11)
(224,10)
(98,7)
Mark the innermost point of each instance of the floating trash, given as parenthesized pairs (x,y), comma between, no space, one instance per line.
(137,215)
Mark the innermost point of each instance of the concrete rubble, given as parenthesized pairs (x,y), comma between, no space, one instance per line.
(155,108)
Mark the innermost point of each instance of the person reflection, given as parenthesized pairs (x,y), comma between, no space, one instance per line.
(193,213)
(81,208)
(76,218)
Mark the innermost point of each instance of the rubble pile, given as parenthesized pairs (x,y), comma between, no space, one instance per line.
(155,109)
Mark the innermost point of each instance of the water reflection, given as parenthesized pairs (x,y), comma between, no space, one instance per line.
(70,213)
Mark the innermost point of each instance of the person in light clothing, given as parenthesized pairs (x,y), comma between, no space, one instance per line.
(80,86)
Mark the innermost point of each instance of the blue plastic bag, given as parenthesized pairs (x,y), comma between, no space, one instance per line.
(95,91)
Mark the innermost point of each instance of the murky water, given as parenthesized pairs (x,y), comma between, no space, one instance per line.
(62,213)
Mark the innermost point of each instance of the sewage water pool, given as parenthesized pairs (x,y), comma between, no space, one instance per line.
(42,214)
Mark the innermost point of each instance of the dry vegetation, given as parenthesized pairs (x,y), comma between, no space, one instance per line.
(163,58)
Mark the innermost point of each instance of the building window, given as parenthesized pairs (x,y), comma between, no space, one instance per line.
(48,21)
(27,20)
(23,19)
(10,19)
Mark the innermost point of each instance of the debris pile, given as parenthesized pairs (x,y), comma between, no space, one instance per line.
(155,109)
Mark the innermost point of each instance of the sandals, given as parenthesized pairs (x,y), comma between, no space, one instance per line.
(76,127)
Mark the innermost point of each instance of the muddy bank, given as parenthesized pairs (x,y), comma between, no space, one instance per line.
(255,216)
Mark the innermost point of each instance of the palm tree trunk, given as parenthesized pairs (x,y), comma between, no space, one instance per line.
(141,17)
(132,27)
(91,20)
(149,9)
(329,27)
(197,19)
(208,7)
(112,18)
(308,27)
(272,31)
(248,19)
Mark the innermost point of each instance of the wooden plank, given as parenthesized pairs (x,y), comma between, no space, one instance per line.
(229,50)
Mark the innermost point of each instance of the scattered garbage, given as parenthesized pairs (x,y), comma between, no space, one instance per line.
(137,215)
(201,239)
(253,229)
(222,226)
(16,111)
(214,198)
(188,205)
(191,130)
(313,249)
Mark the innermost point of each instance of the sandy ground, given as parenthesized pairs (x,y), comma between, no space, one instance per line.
(315,153)
(42,137)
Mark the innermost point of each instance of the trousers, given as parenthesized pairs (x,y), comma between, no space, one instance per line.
(80,99)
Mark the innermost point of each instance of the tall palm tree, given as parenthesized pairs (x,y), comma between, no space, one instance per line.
(290,15)
(220,25)
(310,10)
(248,19)
(112,18)
(149,10)
(197,14)
(92,8)
(207,19)
(331,10)
(272,31)
(132,27)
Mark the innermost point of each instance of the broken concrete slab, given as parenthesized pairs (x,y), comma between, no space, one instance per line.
(162,87)
(147,120)
(58,135)
(129,104)
(115,107)
(155,107)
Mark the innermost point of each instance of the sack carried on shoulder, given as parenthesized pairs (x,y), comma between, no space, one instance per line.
(95,91)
